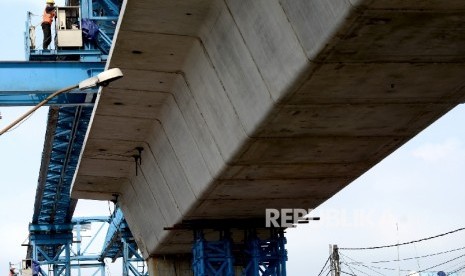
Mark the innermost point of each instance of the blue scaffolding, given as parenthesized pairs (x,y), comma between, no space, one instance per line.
(56,252)
(260,252)
(119,243)
(28,83)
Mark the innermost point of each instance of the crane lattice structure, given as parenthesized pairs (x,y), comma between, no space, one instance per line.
(75,57)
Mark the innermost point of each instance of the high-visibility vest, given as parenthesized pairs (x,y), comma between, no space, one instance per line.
(47,17)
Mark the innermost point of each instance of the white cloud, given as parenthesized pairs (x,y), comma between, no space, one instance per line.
(435,152)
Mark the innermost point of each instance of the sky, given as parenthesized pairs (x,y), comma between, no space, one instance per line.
(416,192)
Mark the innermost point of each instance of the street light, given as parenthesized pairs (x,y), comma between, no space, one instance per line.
(102,79)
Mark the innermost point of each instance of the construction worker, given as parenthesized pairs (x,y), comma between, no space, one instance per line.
(47,19)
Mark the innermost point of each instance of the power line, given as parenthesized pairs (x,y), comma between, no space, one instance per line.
(405,243)
(358,270)
(457,270)
(377,267)
(434,266)
(424,256)
(360,264)
(348,273)
(327,260)
(349,267)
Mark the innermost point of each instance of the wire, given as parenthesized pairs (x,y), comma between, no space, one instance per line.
(457,270)
(424,256)
(359,270)
(355,262)
(360,264)
(21,122)
(454,266)
(404,243)
(434,266)
(348,273)
(349,268)
(321,271)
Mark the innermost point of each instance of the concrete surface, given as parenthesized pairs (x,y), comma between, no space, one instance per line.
(245,105)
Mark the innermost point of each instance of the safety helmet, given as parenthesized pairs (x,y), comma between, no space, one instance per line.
(50,1)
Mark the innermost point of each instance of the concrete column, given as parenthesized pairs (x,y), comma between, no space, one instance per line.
(170,266)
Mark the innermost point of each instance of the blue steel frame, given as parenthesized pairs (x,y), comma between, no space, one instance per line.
(28,83)
(133,263)
(55,200)
(266,257)
(119,242)
(53,247)
(260,257)
(212,258)
(112,246)
(104,13)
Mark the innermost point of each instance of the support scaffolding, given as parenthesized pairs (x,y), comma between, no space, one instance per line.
(212,257)
(133,263)
(56,251)
(252,256)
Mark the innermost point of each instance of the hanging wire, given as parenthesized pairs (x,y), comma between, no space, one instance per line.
(457,270)
(419,257)
(326,263)
(20,123)
(454,266)
(359,263)
(358,270)
(404,243)
(349,266)
(348,273)
(434,266)
(355,262)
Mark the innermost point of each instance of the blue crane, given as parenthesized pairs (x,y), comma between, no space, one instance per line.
(84,33)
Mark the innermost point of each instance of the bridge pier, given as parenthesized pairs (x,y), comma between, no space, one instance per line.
(170,265)
(226,251)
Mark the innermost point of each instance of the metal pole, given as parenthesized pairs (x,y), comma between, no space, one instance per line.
(68,260)
(335,264)
(78,245)
(125,257)
(24,116)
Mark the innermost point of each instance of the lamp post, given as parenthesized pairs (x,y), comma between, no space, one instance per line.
(102,79)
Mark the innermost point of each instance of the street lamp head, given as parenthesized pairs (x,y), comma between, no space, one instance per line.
(102,79)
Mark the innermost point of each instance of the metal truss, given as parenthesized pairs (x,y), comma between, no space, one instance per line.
(266,257)
(257,257)
(212,257)
(104,13)
(133,263)
(53,204)
(119,242)
(55,251)
(51,231)
(68,121)
(28,83)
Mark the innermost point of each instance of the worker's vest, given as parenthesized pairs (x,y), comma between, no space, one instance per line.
(48,17)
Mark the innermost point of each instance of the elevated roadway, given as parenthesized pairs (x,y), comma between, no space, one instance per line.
(230,107)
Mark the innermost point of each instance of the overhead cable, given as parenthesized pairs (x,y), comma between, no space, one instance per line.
(327,260)
(434,266)
(419,257)
(348,273)
(360,264)
(404,243)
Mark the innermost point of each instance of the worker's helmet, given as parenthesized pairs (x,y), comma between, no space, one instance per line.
(50,2)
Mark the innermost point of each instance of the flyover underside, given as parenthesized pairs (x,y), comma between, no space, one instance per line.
(245,105)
